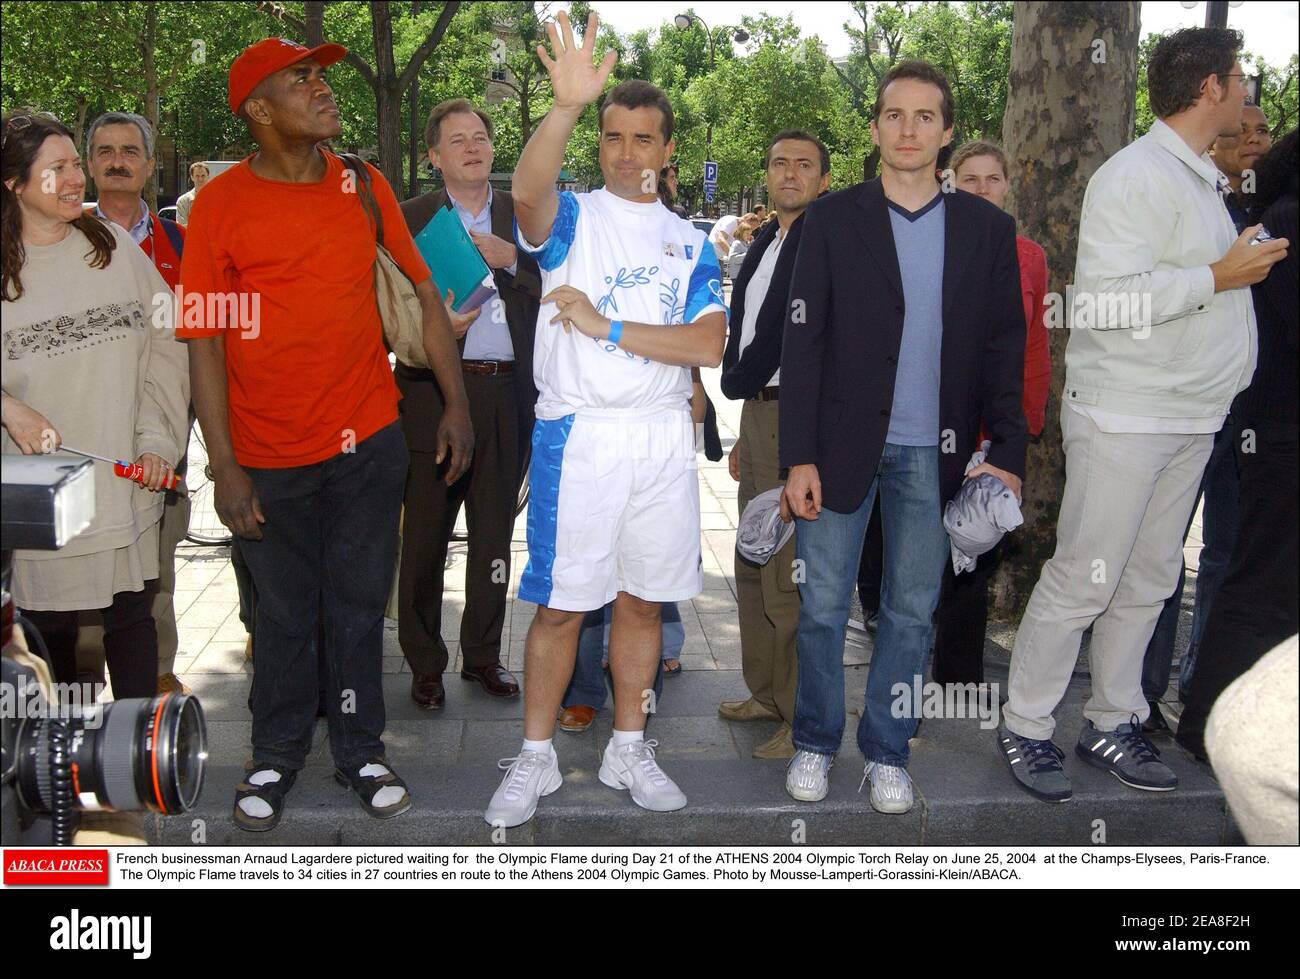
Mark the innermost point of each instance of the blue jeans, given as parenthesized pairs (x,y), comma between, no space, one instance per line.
(588,686)
(1219,527)
(325,562)
(829,549)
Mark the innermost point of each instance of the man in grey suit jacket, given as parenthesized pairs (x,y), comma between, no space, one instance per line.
(496,345)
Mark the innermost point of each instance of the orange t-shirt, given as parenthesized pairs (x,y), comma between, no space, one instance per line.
(306,367)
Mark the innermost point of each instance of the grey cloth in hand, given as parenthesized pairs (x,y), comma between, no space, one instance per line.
(983,510)
(762,532)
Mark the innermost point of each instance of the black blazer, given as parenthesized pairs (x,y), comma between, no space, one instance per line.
(519,293)
(744,377)
(839,355)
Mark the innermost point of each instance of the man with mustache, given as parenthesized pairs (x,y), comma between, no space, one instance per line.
(120,159)
(299,413)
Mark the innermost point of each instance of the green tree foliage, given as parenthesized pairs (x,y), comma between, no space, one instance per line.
(784,82)
(969,42)
(1279,95)
(80,59)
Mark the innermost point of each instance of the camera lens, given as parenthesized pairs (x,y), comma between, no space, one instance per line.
(124,756)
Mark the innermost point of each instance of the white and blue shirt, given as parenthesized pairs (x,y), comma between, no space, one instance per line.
(638,263)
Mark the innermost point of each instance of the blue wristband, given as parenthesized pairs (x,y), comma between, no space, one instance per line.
(615,331)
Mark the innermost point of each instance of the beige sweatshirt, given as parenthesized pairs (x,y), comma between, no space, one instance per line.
(93,350)
(1252,742)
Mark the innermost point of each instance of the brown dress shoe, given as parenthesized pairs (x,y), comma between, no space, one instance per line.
(496,679)
(577,718)
(747,710)
(780,745)
(427,691)
(171,683)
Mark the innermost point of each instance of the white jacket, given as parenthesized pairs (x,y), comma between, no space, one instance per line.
(1149,335)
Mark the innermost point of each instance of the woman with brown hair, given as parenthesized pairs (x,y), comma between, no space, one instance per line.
(90,358)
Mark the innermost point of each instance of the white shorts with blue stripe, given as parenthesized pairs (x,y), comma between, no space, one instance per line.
(614,505)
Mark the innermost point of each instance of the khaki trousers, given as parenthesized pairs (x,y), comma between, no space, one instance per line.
(767,596)
(1119,548)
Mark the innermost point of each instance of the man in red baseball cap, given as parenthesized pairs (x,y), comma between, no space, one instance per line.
(292,386)
(260,61)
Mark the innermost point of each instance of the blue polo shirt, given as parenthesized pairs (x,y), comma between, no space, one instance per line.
(918,239)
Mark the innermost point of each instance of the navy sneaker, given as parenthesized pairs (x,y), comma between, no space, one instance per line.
(1127,754)
(1035,765)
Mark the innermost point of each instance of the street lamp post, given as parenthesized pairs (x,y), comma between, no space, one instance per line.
(739,35)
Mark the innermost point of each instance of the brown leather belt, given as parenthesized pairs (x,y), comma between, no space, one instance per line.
(487,366)
(768,393)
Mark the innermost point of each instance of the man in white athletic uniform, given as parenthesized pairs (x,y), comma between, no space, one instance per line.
(632,302)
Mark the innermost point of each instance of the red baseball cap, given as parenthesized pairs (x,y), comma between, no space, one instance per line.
(262,60)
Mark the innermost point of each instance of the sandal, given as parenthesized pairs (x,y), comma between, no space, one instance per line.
(272,793)
(672,670)
(368,786)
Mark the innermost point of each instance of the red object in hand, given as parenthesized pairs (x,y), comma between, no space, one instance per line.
(135,473)
(126,470)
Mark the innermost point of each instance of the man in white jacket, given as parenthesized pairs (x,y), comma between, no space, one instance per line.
(1162,339)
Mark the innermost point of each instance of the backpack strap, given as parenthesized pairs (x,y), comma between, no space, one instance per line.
(358,166)
(174,235)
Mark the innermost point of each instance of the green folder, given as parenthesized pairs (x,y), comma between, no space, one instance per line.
(454,260)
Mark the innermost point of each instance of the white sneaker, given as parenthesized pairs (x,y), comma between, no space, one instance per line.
(808,777)
(891,787)
(633,767)
(529,776)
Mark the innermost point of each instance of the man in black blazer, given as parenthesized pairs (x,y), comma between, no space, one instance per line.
(496,345)
(798,170)
(904,333)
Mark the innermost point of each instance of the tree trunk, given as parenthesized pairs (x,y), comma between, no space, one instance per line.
(413,140)
(413,101)
(79,127)
(388,99)
(871,164)
(314,21)
(525,115)
(1057,61)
